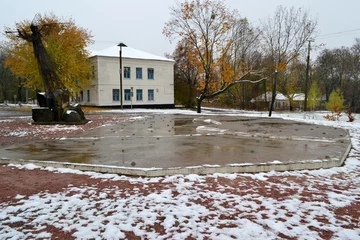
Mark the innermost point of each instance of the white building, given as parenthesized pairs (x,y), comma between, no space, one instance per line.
(148,80)
(281,101)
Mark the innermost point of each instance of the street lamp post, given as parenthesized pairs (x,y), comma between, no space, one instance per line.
(120,59)
(131,95)
(273,93)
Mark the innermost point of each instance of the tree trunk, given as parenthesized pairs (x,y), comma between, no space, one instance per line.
(198,102)
(273,94)
(291,106)
(19,91)
(243,96)
(49,76)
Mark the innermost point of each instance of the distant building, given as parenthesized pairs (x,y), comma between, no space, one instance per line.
(281,102)
(148,80)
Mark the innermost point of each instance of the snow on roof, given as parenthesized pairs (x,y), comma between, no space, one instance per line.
(128,52)
(279,97)
(299,97)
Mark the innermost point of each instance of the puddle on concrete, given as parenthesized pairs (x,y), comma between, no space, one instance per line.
(179,140)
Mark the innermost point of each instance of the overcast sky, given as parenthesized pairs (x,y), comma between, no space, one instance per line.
(139,23)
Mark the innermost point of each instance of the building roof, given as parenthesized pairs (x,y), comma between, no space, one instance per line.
(299,97)
(128,52)
(279,97)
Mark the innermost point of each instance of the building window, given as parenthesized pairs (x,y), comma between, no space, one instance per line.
(127,94)
(115,94)
(151,94)
(81,96)
(138,73)
(150,73)
(88,95)
(127,72)
(93,72)
(139,94)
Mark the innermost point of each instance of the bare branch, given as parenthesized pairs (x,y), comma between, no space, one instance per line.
(232,84)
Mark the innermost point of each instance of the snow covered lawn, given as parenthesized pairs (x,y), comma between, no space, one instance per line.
(318,204)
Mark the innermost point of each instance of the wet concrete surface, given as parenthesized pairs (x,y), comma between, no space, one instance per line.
(167,141)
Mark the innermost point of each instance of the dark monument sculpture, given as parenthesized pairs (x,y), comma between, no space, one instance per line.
(54,102)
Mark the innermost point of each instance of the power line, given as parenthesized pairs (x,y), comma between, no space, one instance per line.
(105,41)
(324,36)
(339,34)
(334,36)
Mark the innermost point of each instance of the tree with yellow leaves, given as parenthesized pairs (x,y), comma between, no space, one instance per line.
(65,44)
(207,26)
(314,95)
(187,73)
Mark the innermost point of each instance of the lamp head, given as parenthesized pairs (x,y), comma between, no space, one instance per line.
(121,44)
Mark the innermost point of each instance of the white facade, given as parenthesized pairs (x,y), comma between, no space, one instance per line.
(150,77)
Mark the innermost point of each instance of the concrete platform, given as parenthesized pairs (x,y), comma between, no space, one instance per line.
(158,145)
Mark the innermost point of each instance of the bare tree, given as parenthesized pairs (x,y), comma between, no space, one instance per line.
(355,102)
(207,27)
(284,35)
(244,55)
(340,68)
(245,44)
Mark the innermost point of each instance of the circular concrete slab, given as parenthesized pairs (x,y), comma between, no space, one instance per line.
(170,142)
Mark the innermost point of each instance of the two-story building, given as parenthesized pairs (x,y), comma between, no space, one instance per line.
(147,80)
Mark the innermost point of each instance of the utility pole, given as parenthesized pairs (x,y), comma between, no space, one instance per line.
(307,75)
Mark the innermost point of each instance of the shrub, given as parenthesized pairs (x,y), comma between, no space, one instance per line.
(335,105)
(350,116)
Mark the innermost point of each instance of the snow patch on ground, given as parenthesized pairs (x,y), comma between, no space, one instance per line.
(211,121)
(216,206)
(17,134)
(138,118)
(7,120)
(209,129)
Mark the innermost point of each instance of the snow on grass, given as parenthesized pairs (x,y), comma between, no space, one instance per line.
(181,209)
(63,128)
(35,130)
(298,204)
(7,120)
(17,134)
(18,196)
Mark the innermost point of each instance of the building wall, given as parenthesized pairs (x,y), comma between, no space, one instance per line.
(107,78)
